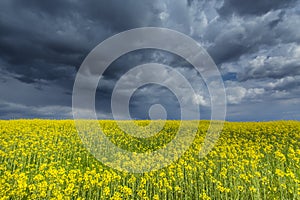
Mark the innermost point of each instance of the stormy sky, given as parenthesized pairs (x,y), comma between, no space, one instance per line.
(255,45)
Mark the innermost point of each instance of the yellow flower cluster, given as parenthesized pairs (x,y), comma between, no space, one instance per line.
(45,159)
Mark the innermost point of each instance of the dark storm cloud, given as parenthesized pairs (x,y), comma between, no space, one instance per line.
(138,57)
(38,38)
(43,43)
(53,8)
(250,7)
(120,16)
(165,97)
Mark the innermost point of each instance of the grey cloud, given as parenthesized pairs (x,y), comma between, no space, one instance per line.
(234,37)
(13,111)
(265,111)
(276,63)
(288,83)
(271,70)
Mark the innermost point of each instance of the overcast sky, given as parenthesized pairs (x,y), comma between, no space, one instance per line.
(255,44)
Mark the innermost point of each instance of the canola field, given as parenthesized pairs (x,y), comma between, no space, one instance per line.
(45,159)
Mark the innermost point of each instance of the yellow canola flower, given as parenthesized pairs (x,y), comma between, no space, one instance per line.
(46,159)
